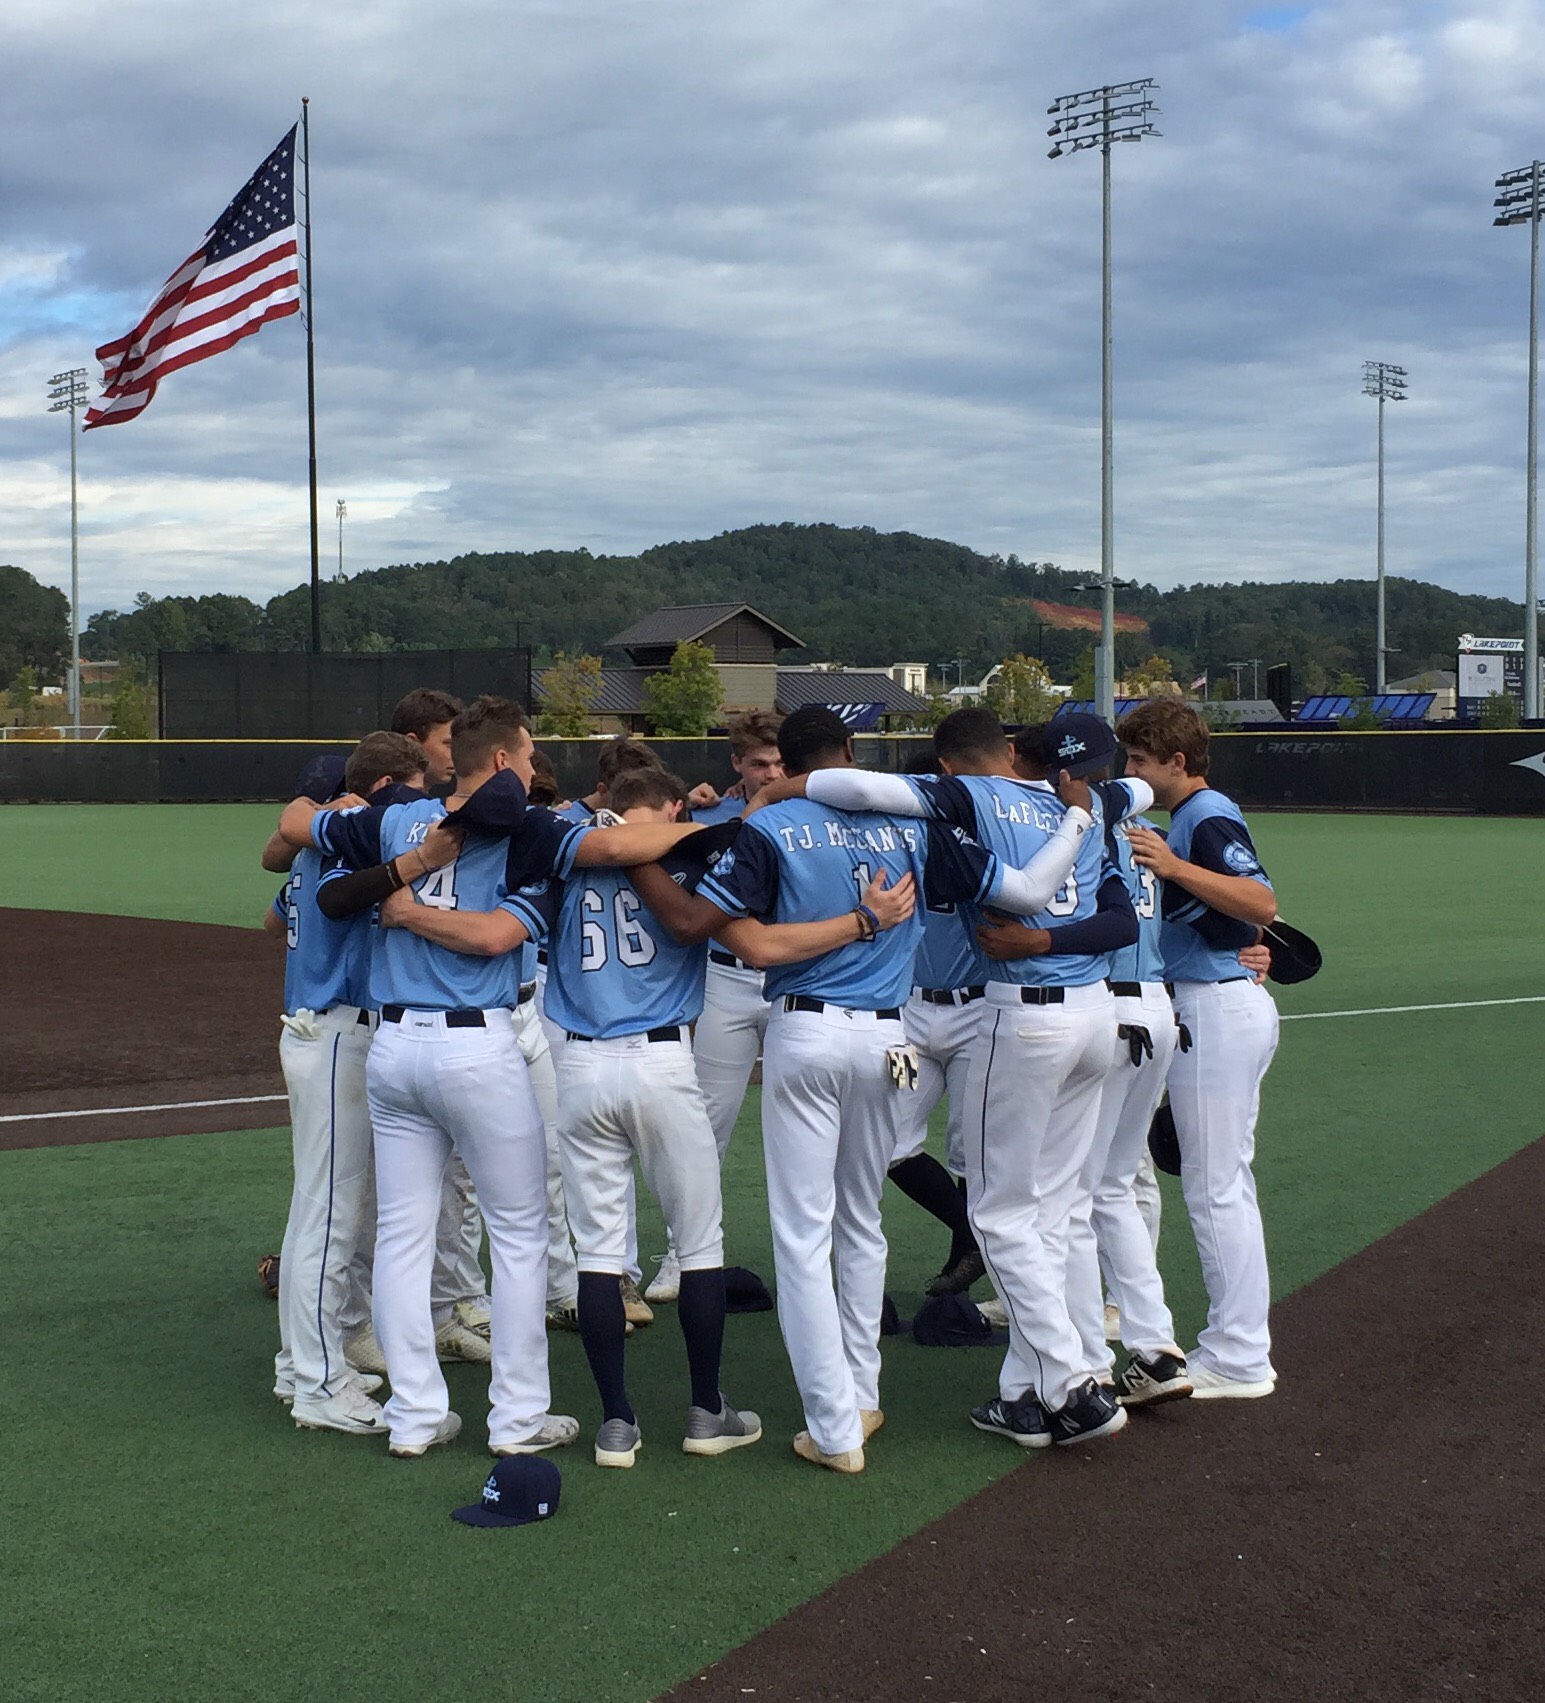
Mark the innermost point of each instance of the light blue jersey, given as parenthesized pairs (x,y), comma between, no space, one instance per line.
(726,810)
(406,969)
(947,957)
(326,959)
(576,813)
(613,970)
(1199,943)
(1143,961)
(798,861)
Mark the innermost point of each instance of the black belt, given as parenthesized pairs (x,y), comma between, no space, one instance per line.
(1127,990)
(728,960)
(457,1019)
(363,1020)
(1222,981)
(1042,996)
(950,996)
(541,956)
(527,994)
(802,1002)
(668,1032)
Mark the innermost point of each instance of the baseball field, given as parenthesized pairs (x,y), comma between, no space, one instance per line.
(166,1532)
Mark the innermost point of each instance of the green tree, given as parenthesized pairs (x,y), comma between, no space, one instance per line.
(1500,710)
(130,708)
(24,689)
(1022,692)
(1152,679)
(1082,690)
(571,689)
(685,699)
(34,627)
(1361,720)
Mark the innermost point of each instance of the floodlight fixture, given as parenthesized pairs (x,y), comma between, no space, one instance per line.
(67,393)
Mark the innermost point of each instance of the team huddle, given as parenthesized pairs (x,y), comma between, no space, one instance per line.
(495,1009)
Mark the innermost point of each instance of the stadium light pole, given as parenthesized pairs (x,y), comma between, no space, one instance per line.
(343,510)
(1098,118)
(1388,384)
(1238,671)
(1518,202)
(67,393)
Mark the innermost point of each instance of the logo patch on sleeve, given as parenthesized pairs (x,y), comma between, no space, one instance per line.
(1240,858)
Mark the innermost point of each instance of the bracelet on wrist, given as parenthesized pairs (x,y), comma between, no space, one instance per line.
(874,921)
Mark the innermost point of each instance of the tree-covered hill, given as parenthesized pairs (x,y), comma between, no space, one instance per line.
(852,594)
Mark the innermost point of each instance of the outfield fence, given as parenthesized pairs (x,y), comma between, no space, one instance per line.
(1501,773)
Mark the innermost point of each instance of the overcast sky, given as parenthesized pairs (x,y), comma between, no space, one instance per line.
(616,273)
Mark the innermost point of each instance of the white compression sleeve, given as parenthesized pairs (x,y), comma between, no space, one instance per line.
(1028,890)
(1141,795)
(859,789)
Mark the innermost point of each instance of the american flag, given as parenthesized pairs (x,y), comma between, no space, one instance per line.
(245,273)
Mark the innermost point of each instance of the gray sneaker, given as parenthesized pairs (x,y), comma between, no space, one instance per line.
(617,1442)
(447,1431)
(718,1433)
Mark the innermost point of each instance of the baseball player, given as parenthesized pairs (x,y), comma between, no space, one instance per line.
(836,1056)
(322,1050)
(1215,899)
(731,1030)
(1046,1043)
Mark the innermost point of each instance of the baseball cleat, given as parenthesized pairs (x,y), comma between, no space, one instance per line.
(556,1431)
(563,1315)
(667,1284)
(364,1382)
(350,1411)
(476,1314)
(447,1431)
(1022,1421)
(1153,1378)
(453,1341)
(849,1461)
(1207,1385)
(1089,1412)
(363,1352)
(617,1442)
(268,1275)
(995,1313)
(871,1419)
(1112,1323)
(959,1275)
(718,1433)
(634,1307)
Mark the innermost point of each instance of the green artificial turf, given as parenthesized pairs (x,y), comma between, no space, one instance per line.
(165,1532)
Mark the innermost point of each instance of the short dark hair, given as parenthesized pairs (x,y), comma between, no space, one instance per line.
(1161,727)
(486,725)
(808,733)
(620,757)
(544,779)
(923,763)
(752,730)
(379,757)
(970,733)
(424,708)
(652,788)
(1027,743)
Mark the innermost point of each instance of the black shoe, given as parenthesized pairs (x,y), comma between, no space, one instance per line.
(958,1276)
(1090,1412)
(1152,1378)
(1022,1421)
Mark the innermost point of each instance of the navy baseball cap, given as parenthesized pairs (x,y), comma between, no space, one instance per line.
(1295,957)
(321,779)
(1078,743)
(745,1292)
(954,1321)
(520,1489)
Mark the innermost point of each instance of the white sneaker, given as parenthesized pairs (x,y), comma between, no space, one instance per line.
(363,1352)
(995,1313)
(366,1383)
(556,1431)
(350,1411)
(475,1314)
(1207,1385)
(447,1431)
(453,1341)
(1112,1323)
(667,1285)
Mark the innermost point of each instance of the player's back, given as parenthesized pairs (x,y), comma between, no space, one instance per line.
(1143,960)
(327,959)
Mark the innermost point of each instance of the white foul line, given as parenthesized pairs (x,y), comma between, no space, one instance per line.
(118,1111)
(1390,1010)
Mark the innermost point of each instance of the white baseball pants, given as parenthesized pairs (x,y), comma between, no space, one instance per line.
(435,1090)
(1033,1103)
(1107,1227)
(943,1036)
(829,1111)
(324,1074)
(1215,1094)
(636,1096)
(727,1043)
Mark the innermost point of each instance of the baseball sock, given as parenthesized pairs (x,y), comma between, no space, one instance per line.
(603,1328)
(923,1179)
(700,1307)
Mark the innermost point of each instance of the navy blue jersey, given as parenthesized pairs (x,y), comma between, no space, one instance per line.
(613,969)
(326,959)
(406,969)
(799,861)
(1199,943)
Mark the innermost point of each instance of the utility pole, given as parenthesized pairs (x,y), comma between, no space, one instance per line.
(67,393)
(343,509)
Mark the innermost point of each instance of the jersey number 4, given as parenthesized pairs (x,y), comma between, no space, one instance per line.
(439,889)
(635,945)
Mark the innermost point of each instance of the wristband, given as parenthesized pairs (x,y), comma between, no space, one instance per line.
(868,922)
(395,875)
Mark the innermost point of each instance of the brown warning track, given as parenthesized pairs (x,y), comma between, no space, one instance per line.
(1369,1532)
(124,1011)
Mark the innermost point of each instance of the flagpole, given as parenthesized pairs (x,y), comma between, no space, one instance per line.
(311,390)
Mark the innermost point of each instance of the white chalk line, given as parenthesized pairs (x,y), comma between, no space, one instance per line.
(273,1099)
